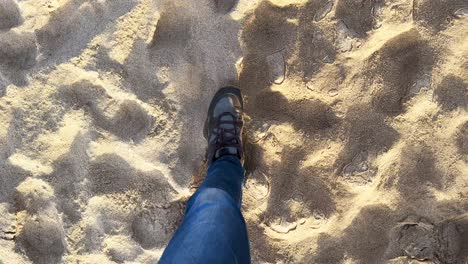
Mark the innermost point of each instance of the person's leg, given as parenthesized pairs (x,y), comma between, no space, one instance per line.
(213,229)
(226,173)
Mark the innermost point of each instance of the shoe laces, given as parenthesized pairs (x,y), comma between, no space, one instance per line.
(228,137)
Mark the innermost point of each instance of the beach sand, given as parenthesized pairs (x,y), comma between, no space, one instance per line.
(356,132)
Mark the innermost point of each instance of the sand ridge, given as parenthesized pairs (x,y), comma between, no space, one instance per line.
(356,136)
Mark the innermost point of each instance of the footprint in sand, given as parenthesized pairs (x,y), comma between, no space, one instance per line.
(153,228)
(411,176)
(359,171)
(441,242)
(399,64)
(268,30)
(315,221)
(173,29)
(277,67)
(257,189)
(367,135)
(357,15)
(437,15)
(315,50)
(74,24)
(130,121)
(451,93)
(307,115)
(346,39)
(452,237)
(415,240)
(282,227)
(110,173)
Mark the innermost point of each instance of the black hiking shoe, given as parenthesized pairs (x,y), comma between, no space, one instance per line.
(224,124)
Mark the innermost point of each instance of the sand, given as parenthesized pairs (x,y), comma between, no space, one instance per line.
(357,126)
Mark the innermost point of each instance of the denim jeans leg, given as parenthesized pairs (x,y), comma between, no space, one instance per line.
(213,229)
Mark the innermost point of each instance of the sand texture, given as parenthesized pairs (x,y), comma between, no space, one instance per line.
(356,132)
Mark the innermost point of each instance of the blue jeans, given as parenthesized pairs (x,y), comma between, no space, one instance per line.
(213,229)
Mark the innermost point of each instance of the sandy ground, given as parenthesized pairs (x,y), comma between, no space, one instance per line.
(357,132)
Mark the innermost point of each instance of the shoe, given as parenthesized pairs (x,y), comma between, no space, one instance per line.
(224,125)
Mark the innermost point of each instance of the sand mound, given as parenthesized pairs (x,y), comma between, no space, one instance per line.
(437,15)
(10,15)
(357,136)
(402,61)
(40,232)
(358,16)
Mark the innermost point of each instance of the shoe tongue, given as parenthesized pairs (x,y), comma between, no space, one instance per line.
(227,150)
(229,126)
